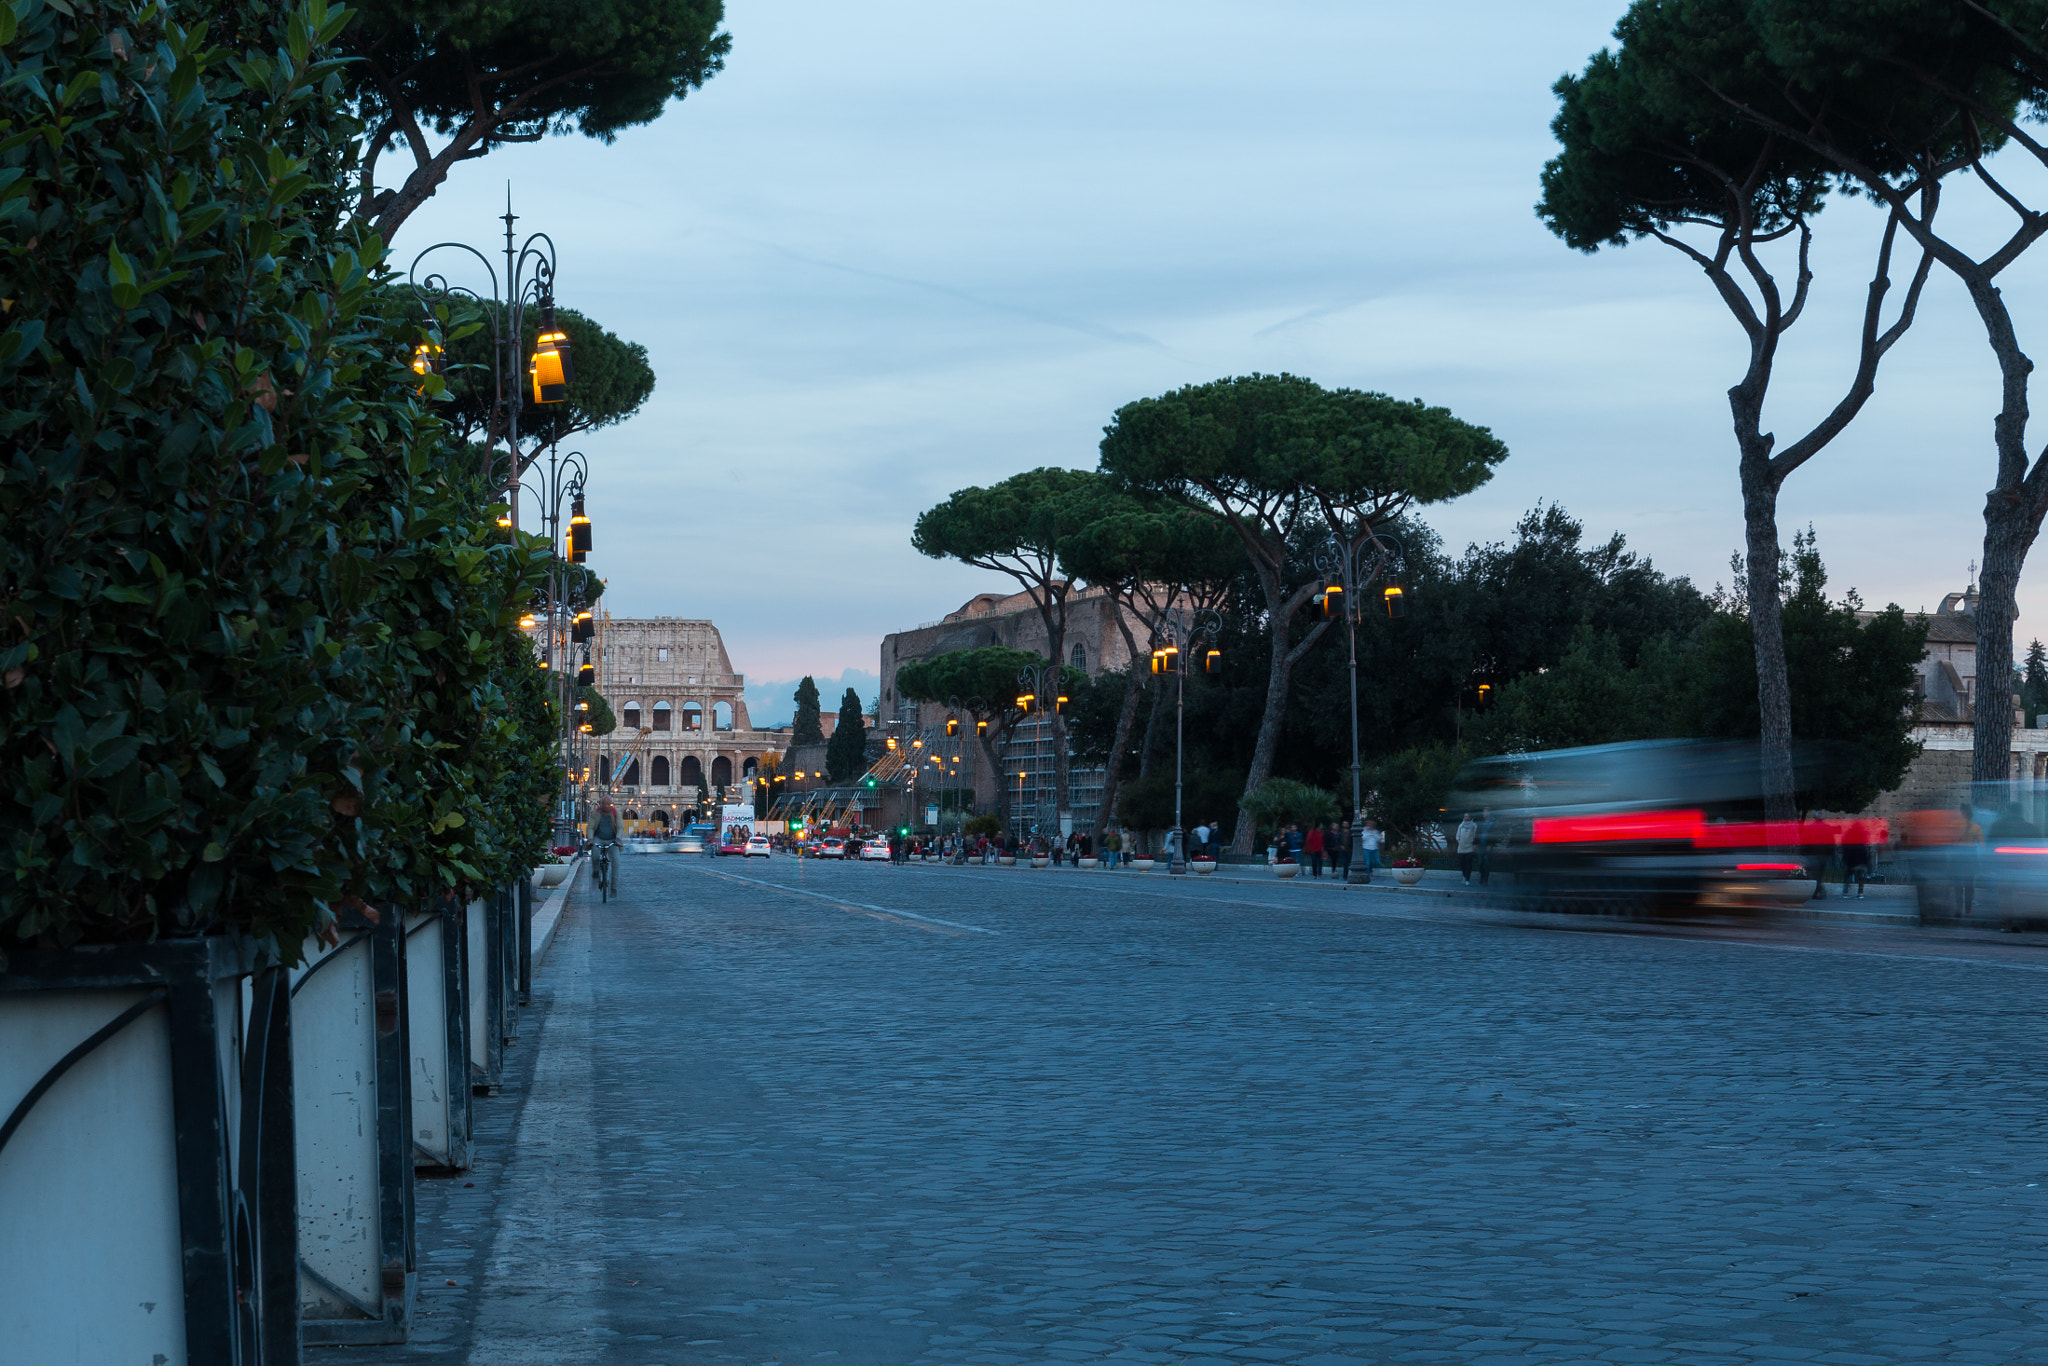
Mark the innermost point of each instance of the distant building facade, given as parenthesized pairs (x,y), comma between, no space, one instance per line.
(682,719)
(1093,643)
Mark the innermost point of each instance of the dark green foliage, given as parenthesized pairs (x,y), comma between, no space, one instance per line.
(259,654)
(1283,801)
(1853,699)
(485,74)
(2034,682)
(846,753)
(1407,791)
(809,728)
(1147,803)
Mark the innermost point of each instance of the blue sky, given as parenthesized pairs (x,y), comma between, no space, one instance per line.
(900,248)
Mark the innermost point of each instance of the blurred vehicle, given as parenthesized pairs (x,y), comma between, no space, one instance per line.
(1978,853)
(829,847)
(1644,827)
(757,847)
(732,844)
(876,849)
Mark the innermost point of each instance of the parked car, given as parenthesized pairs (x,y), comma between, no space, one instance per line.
(757,847)
(875,850)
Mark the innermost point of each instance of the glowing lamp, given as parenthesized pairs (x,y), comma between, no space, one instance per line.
(1397,605)
(579,533)
(1212,662)
(553,369)
(586,676)
(427,358)
(526,622)
(1332,599)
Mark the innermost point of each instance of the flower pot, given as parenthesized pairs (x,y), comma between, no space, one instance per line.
(1202,865)
(1041,860)
(1087,862)
(1286,868)
(1143,865)
(1408,877)
(552,874)
(1006,859)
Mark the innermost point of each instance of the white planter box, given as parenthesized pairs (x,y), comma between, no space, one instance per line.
(1286,870)
(1041,860)
(1006,859)
(1143,865)
(437,1037)
(1408,877)
(550,875)
(1086,862)
(1203,865)
(350,1065)
(149,1086)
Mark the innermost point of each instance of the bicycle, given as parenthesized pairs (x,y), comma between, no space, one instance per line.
(605,868)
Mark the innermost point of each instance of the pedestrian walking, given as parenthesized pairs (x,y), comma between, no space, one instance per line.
(1340,852)
(1468,845)
(1313,845)
(1294,843)
(1112,845)
(1855,860)
(1369,847)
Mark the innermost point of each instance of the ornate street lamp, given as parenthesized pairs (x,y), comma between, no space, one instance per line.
(1177,635)
(529,282)
(1350,563)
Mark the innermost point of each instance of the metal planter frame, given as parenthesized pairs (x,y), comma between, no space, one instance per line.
(437,994)
(354,1136)
(227,1023)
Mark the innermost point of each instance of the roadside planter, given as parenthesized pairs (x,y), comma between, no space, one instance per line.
(1286,868)
(1087,861)
(1143,863)
(492,988)
(1041,860)
(550,875)
(1006,859)
(147,1166)
(352,1118)
(1408,877)
(437,1036)
(1202,865)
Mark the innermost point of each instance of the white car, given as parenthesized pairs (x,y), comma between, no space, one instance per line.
(875,849)
(759,845)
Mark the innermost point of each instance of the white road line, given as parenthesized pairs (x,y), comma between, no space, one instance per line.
(1190,894)
(881,912)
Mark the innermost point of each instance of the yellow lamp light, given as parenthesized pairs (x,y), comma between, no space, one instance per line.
(553,368)
(1396,604)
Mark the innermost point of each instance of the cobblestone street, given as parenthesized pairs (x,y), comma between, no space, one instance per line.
(791,1112)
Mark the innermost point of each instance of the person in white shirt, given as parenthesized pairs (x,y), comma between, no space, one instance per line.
(1201,838)
(1369,845)
(1468,845)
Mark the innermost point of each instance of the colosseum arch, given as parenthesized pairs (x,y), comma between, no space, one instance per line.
(629,716)
(721,772)
(693,716)
(693,772)
(631,778)
(658,771)
(721,715)
(661,715)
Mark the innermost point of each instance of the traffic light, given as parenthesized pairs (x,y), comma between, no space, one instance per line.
(867,782)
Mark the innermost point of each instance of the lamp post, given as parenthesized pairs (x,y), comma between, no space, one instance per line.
(567,624)
(1176,635)
(1349,566)
(546,374)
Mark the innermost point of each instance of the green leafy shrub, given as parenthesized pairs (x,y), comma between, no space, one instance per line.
(256,650)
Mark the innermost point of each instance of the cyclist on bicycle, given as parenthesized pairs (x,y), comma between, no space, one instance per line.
(606,835)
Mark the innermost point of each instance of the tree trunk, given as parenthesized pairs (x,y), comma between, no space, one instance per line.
(1152,725)
(1767,623)
(2008,534)
(1280,671)
(2012,518)
(1126,718)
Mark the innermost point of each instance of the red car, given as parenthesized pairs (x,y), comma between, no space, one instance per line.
(732,844)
